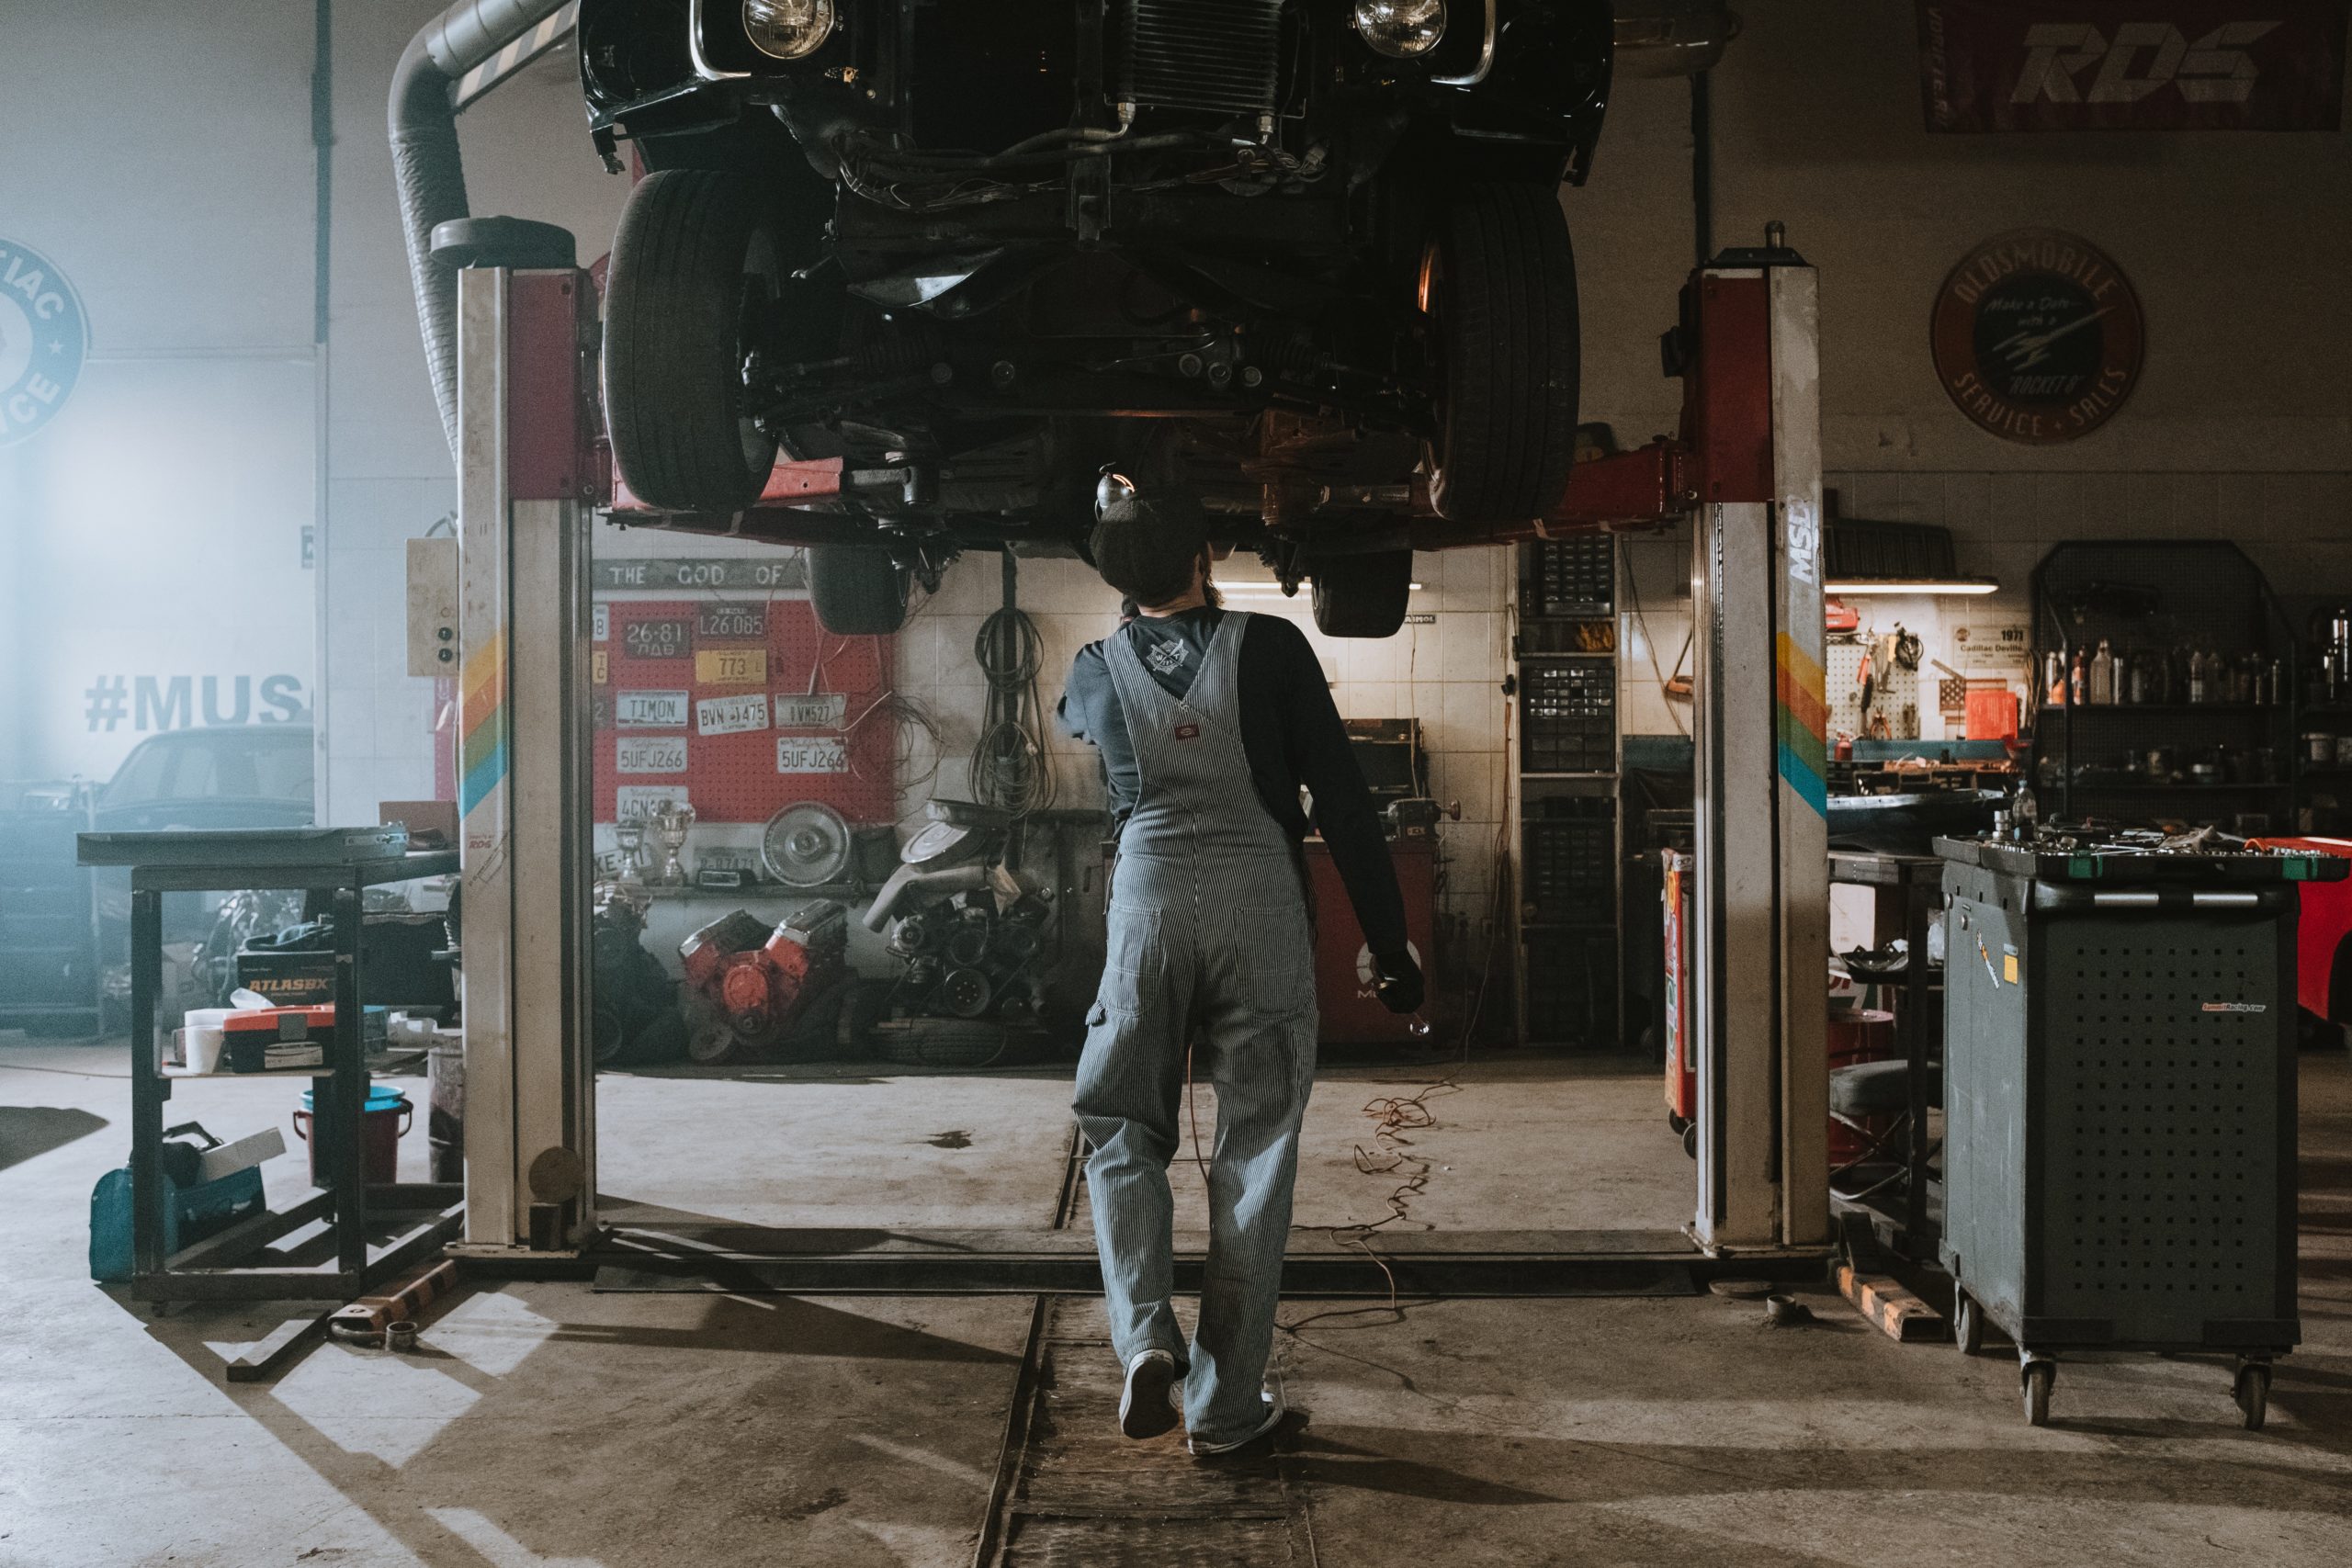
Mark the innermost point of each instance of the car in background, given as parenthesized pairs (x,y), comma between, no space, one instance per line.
(255,776)
(64,931)
(1294,269)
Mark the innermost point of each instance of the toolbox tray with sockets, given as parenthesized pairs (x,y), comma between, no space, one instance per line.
(2126,864)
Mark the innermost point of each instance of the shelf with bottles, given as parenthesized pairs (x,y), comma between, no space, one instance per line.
(2182,678)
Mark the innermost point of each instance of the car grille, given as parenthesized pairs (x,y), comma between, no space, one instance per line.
(1198,54)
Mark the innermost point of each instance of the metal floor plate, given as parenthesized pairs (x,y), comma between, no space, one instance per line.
(1072,1493)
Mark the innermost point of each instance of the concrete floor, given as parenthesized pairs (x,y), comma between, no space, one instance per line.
(831,1148)
(546,1425)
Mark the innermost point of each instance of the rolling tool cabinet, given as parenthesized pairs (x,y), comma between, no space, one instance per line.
(2120,1105)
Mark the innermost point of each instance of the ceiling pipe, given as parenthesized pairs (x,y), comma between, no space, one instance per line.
(428,172)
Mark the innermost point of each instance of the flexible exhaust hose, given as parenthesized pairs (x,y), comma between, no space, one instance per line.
(427,170)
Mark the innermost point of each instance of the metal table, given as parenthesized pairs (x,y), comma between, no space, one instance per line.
(1920,879)
(200,862)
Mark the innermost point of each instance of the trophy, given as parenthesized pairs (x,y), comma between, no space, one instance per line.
(630,861)
(670,825)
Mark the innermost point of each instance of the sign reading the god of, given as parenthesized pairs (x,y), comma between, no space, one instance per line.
(2037,337)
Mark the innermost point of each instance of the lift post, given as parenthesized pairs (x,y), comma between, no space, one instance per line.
(527,481)
(1750,346)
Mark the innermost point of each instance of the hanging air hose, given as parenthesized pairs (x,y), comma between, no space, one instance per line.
(1010,768)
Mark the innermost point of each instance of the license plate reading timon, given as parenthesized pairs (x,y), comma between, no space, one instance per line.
(649,710)
(811,754)
(650,753)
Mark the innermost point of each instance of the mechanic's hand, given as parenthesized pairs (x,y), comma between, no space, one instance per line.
(1401,990)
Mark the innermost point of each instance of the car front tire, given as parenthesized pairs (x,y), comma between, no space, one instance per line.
(1499,282)
(693,269)
(857,590)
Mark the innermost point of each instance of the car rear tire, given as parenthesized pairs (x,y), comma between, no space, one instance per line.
(1500,281)
(857,590)
(694,268)
(1363,595)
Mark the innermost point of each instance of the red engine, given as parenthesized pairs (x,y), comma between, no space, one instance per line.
(757,985)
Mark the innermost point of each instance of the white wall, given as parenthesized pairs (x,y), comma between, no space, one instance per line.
(160,156)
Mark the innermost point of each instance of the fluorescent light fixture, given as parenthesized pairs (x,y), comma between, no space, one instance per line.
(1917,585)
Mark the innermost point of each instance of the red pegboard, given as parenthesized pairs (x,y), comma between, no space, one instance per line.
(649,649)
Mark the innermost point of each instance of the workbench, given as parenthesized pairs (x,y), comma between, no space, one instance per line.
(1918,879)
(220,862)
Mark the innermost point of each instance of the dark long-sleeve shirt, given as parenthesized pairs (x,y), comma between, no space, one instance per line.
(1291,733)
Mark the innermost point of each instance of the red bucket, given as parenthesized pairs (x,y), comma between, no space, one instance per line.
(1858,1034)
(383,1123)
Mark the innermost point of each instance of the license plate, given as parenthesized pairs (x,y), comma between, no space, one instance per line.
(731,666)
(650,753)
(736,622)
(634,803)
(731,716)
(649,710)
(823,710)
(654,639)
(811,754)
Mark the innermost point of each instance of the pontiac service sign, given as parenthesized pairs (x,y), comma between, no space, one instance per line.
(1992,65)
(44,337)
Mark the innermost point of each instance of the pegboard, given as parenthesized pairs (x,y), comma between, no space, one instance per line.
(2162,1123)
(1890,698)
(733,689)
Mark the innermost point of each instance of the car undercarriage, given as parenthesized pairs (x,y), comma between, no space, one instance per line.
(1009,260)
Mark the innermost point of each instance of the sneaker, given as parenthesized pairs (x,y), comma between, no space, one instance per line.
(1145,1409)
(1275,1411)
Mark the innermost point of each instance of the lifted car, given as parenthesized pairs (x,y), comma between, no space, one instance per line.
(1296,267)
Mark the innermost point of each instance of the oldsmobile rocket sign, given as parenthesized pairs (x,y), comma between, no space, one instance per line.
(1988,65)
(43,339)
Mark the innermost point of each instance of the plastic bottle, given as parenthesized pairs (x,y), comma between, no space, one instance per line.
(2102,676)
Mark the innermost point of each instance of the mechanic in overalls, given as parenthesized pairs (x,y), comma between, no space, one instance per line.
(1209,721)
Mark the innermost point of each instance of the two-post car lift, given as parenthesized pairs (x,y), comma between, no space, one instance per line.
(1746,466)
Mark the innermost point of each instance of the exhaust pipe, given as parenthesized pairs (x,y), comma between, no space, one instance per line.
(426,168)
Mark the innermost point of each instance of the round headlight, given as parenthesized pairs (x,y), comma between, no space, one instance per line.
(1401,28)
(787,30)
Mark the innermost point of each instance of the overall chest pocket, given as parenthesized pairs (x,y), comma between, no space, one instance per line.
(1133,959)
(1276,958)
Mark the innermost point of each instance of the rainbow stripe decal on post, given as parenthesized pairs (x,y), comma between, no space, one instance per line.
(1801,720)
(481,725)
